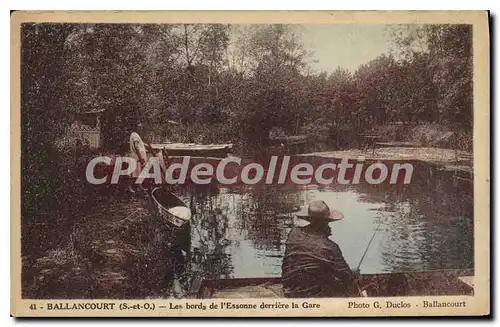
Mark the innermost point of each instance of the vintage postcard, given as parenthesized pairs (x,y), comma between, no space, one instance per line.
(260,164)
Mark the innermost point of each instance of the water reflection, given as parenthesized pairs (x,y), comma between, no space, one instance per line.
(241,231)
(209,235)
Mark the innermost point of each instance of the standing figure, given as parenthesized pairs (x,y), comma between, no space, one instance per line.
(137,151)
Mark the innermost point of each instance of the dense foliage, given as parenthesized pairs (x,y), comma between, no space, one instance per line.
(228,83)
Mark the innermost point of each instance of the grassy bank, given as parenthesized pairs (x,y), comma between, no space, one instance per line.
(112,251)
(428,135)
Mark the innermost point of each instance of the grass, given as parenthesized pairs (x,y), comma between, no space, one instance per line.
(113,252)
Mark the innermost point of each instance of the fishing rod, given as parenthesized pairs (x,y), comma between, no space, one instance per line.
(368,246)
(361,291)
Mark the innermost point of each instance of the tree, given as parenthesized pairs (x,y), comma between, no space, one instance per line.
(43,115)
(276,59)
(121,68)
(450,47)
(441,58)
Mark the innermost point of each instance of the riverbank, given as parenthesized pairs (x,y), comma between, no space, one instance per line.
(110,252)
(445,159)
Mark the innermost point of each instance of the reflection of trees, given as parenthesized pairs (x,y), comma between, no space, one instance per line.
(429,191)
(265,215)
(213,243)
(425,225)
(209,233)
(405,239)
(428,223)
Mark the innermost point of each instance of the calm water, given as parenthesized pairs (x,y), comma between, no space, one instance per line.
(241,232)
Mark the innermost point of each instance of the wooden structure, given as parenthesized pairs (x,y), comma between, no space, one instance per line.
(87,127)
(447,282)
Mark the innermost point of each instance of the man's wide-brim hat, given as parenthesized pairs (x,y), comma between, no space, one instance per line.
(319,210)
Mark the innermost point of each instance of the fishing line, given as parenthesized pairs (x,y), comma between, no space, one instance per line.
(360,290)
(368,246)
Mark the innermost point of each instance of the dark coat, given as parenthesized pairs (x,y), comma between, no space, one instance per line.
(314,266)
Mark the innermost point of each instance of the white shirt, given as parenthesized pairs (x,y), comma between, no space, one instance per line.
(137,147)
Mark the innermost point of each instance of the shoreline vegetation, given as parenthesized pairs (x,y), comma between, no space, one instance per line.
(210,83)
(447,159)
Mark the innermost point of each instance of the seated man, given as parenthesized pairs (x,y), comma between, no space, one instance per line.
(313,265)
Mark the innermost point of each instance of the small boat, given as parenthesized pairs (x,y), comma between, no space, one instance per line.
(447,282)
(194,150)
(170,207)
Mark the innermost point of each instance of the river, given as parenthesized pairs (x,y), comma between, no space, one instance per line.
(240,231)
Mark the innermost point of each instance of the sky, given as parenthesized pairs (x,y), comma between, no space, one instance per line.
(344,45)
